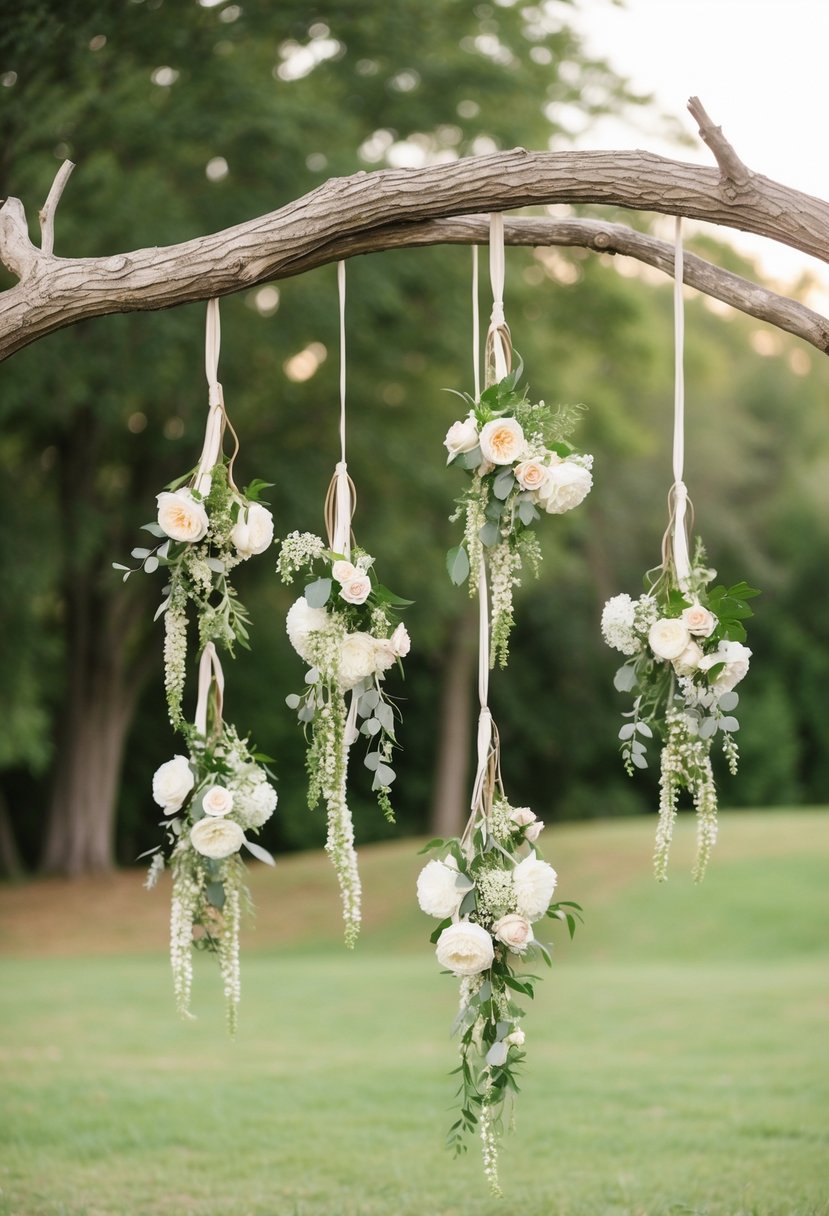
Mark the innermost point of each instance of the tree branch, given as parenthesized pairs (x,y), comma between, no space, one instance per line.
(47,211)
(369,212)
(732,168)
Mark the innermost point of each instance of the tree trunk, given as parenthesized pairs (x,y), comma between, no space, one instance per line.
(450,799)
(11,865)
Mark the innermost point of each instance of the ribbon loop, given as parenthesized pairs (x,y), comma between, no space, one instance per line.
(679,491)
(498,342)
(210,676)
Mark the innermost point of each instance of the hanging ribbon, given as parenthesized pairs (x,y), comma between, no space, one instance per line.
(679,491)
(476,328)
(215,418)
(498,342)
(341,499)
(210,676)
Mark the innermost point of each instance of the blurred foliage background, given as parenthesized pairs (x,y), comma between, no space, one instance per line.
(186,117)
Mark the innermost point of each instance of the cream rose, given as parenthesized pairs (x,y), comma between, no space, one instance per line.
(533,831)
(441,888)
(343,571)
(301,622)
(172,782)
(253,531)
(216,838)
(699,621)
(516,1039)
(465,948)
(461,437)
(514,931)
(358,659)
(735,656)
(180,516)
(502,441)
(217,801)
(534,883)
(400,641)
(668,637)
(567,485)
(687,663)
(356,590)
(531,475)
(522,816)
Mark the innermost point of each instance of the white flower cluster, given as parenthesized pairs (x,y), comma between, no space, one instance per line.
(347,658)
(685,762)
(618,624)
(297,550)
(183,517)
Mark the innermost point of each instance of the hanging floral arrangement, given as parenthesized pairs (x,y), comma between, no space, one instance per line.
(684,642)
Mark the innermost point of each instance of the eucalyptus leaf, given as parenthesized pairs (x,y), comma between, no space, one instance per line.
(627,731)
(121,566)
(306,713)
(489,534)
(527,512)
(639,760)
(457,564)
(370,727)
(215,565)
(215,893)
(384,775)
(729,724)
(469,460)
(292,700)
(503,484)
(151,564)
(644,729)
(312,675)
(371,762)
(259,853)
(625,679)
(708,728)
(318,593)
(385,716)
(153,529)
(729,701)
(139,553)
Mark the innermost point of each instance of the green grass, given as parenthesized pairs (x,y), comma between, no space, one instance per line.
(677,1057)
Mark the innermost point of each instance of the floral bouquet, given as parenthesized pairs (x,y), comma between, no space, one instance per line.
(211,799)
(346,629)
(520,464)
(487,890)
(686,654)
(206,527)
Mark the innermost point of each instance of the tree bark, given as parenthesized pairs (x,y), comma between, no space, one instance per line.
(11,864)
(449,789)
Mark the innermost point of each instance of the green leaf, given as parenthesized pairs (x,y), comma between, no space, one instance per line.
(527,512)
(457,564)
(384,775)
(317,593)
(153,529)
(644,729)
(489,534)
(383,596)
(625,678)
(444,924)
(292,701)
(215,893)
(503,484)
(728,701)
(435,843)
(259,853)
(468,460)
(371,762)
(253,491)
(729,724)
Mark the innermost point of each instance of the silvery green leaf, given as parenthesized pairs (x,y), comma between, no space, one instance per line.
(126,576)
(318,593)
(370,727)
(371,761)
(312,676)
(457,563)
(140,553)
(503,484)
(708,728)
(215,565)
(306,713)
(153,529)
(384,714)
(292,701)
(494,510)
(164,549)
(384,775)
(489,534)
(259,853)
(120,566)
(215,893)
(729,701)
(625,679)
(527,512)
(729,724)
(469,460)
(151,565)
(637,748)
(626,732)
(644,729)
(639,760)
(368,701)
(148,852)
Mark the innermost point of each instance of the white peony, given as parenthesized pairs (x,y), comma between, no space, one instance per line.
(534,883)
(688,662)
(216,838)
(356,590)
(461,437)
(735,656)
(181,516)
(301,622)
(618,624)
(568,484)
(441,888)
(257,804)
(358,659)
(465,948)
(217,801)
(668,637)
(343,571)
(514,931)
(699,620)
(253,531)
(172,782)
(532,475)
(502,441)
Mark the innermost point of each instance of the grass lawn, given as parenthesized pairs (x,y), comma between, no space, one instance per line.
(677,1053)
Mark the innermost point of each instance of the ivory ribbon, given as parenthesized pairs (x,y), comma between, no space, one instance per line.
(216,416)
(339,512)
(476,327)
(682,563)
(210,672)
(497,337)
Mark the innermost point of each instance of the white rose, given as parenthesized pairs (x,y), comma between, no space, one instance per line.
(253,531)
(515,932)
(301,622)
(497,1054)
(699,620)
(668,637)
(531,475)
(522,816)
(516,1039)
(534,882)
(465,948)
(356,590)
(343,571)
(534,830)
(461,437)
(688,662)
(502,441)
(400,641)
(172,782)
(259,804)
(441,888)
(567,485)
(735,656)
(217,801)
(180,516)
(216,838)
(358,659)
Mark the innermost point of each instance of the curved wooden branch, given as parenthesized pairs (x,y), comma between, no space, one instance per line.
(369,212)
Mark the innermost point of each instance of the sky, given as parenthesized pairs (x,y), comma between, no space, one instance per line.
(760,69)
